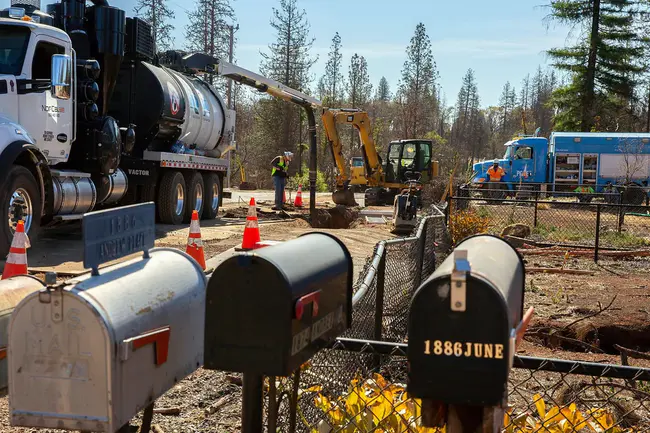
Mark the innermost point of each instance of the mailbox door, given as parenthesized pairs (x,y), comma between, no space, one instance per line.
(59,359)
(458,357)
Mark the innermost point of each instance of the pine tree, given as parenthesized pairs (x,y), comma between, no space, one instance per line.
(359,87)
(383,90)
(208,30)
(466,125)
(158,14)
(418,86)
(333,77)
(507,104)
(603,64)
(288,61)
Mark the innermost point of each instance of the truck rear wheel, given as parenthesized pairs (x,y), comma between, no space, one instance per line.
(195,194)
(172,198)
(20,199)
(212,195)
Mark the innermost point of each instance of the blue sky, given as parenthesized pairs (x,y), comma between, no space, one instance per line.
(500,39)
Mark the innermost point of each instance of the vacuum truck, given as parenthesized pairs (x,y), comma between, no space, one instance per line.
(91,117)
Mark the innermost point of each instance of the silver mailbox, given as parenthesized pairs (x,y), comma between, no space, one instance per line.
(12,291)
(90,353)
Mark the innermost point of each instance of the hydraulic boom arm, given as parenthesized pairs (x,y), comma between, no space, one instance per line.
(361,122)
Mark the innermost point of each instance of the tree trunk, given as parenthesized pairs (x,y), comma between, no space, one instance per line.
(590,82)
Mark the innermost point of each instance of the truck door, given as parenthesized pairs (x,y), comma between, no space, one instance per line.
(522,164)
(46,112)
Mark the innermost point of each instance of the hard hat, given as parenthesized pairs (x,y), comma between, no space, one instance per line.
(288,155)
(496,161)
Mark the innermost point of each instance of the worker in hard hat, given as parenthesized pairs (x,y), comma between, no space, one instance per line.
(280,167)
(495,173)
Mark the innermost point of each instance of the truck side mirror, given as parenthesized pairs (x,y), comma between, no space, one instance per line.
(61,76)
(463,325)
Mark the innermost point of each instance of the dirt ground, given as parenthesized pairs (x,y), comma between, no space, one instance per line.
(588,314)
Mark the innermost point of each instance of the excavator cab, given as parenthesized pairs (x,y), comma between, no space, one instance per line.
(409,155)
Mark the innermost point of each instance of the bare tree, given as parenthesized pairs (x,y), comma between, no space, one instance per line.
(158,14)
(634,159)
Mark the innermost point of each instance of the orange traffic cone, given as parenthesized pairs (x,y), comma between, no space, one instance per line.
(284,196)
(17,259)
(298,202)
(194,242)
(252,229)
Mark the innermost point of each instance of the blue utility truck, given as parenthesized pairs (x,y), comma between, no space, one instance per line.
(570,160)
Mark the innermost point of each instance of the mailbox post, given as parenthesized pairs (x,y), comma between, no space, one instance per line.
(463,325)
(269,311)
(90,353)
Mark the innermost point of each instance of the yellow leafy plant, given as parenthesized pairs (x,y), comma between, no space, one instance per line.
(466,223)
(567,419)
(374,405)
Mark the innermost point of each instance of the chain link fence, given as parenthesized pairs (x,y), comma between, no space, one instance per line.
(359,384)
(599,226)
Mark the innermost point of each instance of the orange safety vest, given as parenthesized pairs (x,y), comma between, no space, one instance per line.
(496,175)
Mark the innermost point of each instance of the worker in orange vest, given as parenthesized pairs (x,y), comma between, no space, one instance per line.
(495,172)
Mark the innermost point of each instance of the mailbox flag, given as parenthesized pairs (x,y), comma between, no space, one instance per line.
(252,229)
(17,259)
(194,242)
(298,202)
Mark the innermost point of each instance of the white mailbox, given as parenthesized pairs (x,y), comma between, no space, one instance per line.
(12,291)
(90,353)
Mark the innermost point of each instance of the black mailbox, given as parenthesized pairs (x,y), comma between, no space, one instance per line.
(271,310)
(462,325)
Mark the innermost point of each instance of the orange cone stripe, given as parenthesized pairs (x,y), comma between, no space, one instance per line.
(195,235)
(16,250)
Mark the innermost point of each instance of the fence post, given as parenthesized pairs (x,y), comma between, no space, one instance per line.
(422,242)
(536,200)
(621,213)
(379,302)
(597,233)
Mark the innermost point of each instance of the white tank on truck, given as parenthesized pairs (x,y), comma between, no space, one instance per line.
(91,118)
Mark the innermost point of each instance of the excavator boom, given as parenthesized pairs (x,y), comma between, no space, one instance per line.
(361,122)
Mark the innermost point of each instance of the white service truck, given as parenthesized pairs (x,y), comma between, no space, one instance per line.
(91,117)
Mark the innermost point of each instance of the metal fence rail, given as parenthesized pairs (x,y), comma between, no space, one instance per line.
(596,226)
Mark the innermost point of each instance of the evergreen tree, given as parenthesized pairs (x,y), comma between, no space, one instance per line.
(287,61)
(333,77)
(507,104)
(603,64)
(207,31)
(359,89)
(418,86)
(158,14)
(383,90)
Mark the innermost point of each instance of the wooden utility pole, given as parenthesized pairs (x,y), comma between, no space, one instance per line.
(231,44)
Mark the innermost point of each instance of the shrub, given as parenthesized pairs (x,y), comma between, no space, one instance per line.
(294,181)
(466,223)
(377,405)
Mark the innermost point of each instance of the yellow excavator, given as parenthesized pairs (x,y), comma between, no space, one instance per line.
(384,180)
